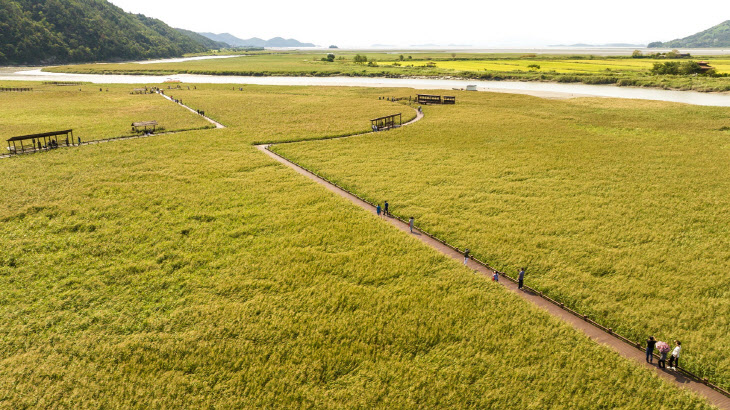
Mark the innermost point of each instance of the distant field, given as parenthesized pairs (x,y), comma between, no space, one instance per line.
(624,71)
(262,64)
(91,113)
(597,65)
(619,208)
(190,270)
(309,63)
(269,114)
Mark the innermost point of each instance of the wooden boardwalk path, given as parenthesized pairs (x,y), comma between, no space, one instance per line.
(99,141)
(594,332)
(210,120)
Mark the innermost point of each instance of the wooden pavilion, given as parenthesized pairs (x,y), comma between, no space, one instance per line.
(428,99)
(142,126)
(387,122)
(704,66)
(435,99)
(50,140)
(15,89)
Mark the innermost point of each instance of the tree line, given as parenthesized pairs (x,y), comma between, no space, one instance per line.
(62,31)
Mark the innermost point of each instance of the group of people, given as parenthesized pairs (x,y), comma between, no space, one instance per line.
(385,211)
(651,343)
(52,144)
(663,348)
(495,275)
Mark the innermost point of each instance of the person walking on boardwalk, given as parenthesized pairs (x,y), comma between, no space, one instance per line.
(495,277)
(386,211)
(650,344)
(410,224)
(378,209)
(674,358)
(663,348)
(466,255)
(521,278)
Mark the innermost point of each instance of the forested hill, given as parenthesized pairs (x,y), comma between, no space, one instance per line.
(61,31)
(717,36)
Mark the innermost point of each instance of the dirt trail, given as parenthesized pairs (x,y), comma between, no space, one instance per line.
(594,332)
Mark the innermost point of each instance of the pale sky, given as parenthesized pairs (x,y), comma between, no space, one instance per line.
(526,23)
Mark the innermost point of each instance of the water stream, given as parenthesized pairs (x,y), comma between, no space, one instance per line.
(534,88)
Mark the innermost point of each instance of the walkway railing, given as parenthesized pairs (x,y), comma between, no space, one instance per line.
(539,293)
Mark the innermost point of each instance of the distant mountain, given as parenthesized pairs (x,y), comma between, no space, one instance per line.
(286,42)
(717,36)
(255,41)
(211,44)
(233,40)
(62,31)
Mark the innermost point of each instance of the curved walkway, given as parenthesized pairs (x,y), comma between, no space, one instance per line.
(591,329)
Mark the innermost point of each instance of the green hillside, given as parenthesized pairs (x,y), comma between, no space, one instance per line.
(717,36)
(59,31)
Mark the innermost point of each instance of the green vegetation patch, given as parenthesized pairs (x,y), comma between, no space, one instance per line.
(154,273)
(588,69)
(618,208)
(270,114)
(91,113)
(46,32)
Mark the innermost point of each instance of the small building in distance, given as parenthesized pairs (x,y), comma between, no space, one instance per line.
(435,99)
(387,122)
(428,99)
(141,127)
(704,66)
(40,141)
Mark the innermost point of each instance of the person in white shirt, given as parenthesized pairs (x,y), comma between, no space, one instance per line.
(674,359)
